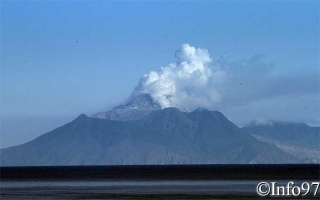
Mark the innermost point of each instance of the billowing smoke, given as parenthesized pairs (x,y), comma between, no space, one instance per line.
(186,84)
(244,90)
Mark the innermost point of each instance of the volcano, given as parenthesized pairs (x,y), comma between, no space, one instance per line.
(141,133)
(136,107)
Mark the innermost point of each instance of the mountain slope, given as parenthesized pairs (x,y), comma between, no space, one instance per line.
(296,139)
(166,136)
(289,133)
(137,107)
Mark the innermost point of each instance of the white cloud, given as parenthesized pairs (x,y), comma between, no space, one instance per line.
(185,84)
(244,90)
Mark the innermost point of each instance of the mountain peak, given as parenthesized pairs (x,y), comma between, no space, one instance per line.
(171,109)
(200,109)
(142,102)
(82,116)
(165,136)
(136,107)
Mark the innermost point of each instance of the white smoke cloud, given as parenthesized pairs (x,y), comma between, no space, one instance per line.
(244,90)
(186,84)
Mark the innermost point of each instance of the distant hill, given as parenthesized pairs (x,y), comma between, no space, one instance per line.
(289,133)
(296,139)
(164,136)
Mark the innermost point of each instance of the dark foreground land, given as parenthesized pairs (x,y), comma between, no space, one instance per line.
(151,182)
(163,172)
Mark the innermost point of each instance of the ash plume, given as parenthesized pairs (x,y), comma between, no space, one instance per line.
(186,84)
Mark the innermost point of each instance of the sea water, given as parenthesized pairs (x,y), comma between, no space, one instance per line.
(189,189)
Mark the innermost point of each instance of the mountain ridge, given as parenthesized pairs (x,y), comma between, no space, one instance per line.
(136,107)
(166,136)
(287,132)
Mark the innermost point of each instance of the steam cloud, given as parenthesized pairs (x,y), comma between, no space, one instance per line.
(250,88)
(186,84)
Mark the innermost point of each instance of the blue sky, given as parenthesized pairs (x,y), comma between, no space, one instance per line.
(60,59)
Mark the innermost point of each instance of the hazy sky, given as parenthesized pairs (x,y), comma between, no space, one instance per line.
(60,59)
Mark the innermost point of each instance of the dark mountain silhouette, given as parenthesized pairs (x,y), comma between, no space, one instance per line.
(290,133)
(166,136)
(296,139)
